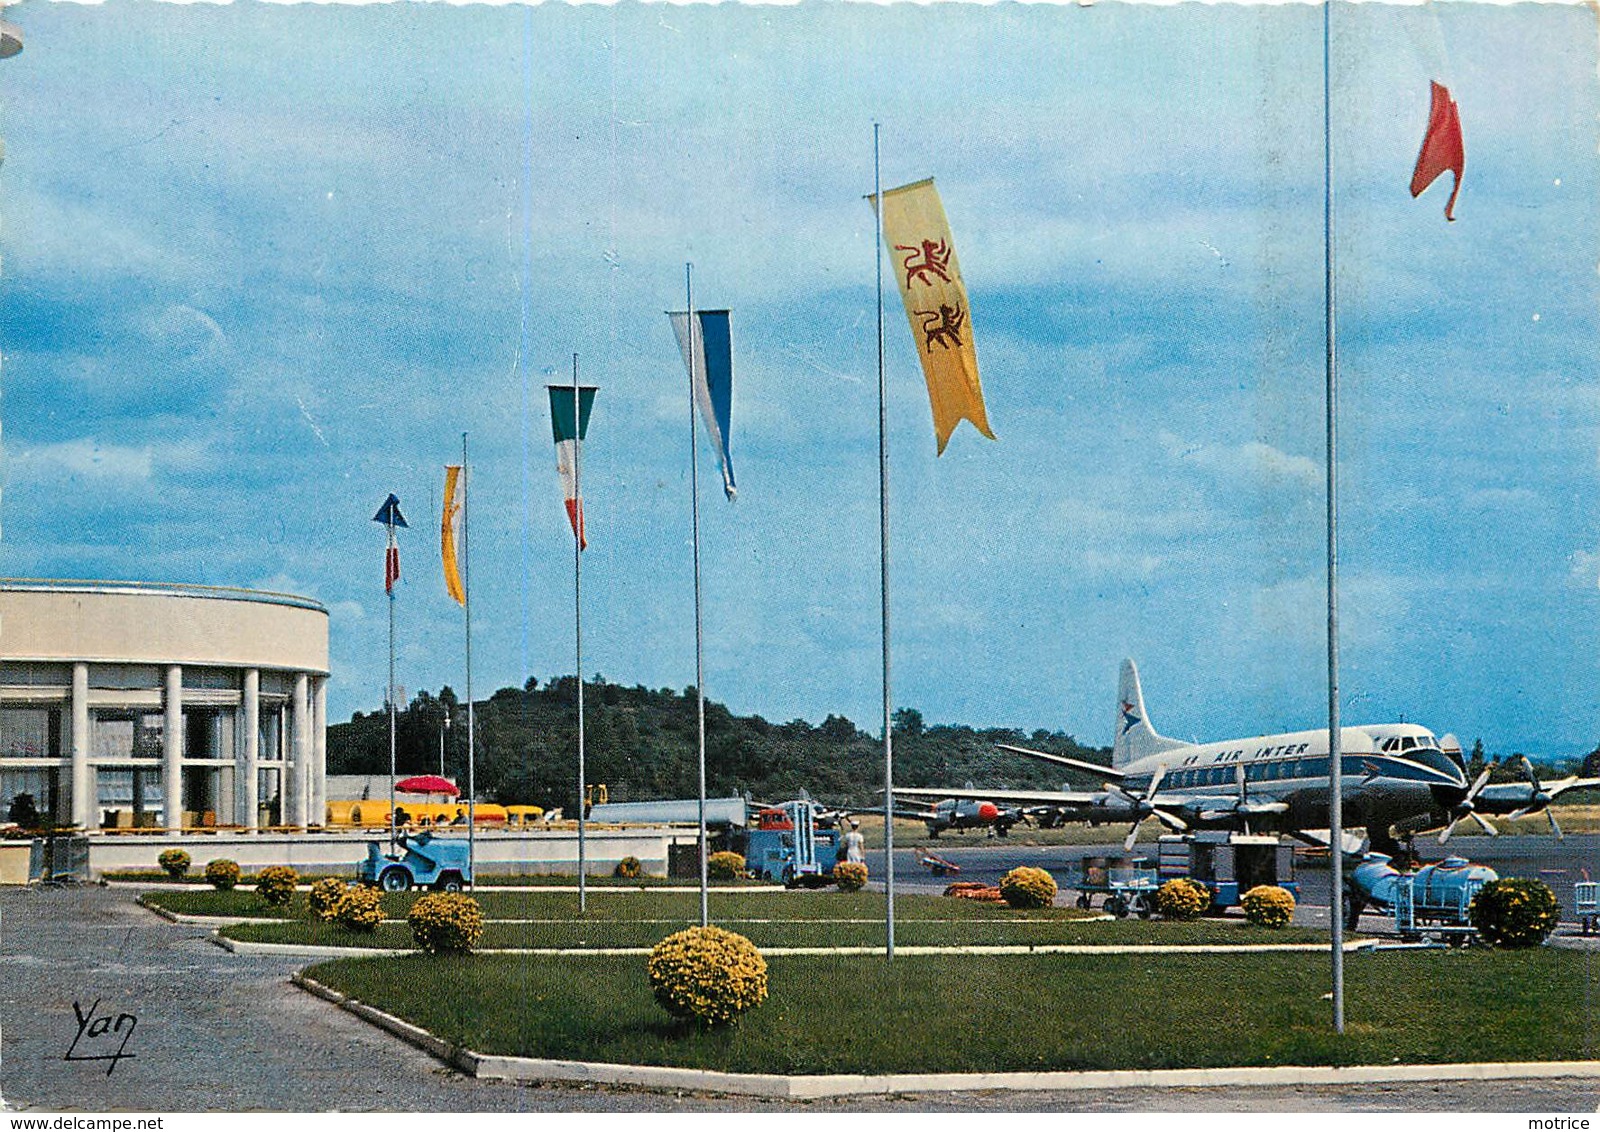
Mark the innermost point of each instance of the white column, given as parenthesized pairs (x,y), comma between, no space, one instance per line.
(84,801)
(319,751)
(172,748)
(301,771)
(248,797)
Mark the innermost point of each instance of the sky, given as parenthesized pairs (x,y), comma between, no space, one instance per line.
(265,264)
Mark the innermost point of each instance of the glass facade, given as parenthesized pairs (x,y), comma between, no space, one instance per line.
(126,735)
(30,733)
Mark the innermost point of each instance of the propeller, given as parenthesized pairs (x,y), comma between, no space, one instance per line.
(1143,808)
(1538,801)
(1464,809)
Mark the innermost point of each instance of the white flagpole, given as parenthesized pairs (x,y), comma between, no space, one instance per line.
(1335,752)
(577,624)
(389,553)
(466,606)
(699,646)
(883,561)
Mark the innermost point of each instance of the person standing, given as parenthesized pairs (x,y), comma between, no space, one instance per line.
(855,846)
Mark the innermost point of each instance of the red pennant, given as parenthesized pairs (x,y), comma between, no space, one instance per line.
(1441,148)
(391,569)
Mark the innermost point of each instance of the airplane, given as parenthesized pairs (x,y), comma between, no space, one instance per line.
(1394,774)
(966,813)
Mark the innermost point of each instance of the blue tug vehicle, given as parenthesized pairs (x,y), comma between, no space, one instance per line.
(426,861)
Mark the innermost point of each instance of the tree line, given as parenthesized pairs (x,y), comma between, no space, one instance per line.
(641,742)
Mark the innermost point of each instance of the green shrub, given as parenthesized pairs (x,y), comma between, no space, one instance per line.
(707,975)
(1027,887)
(275,884)
(1268,905)
(175,862)
(1182,899)
(222,874)
(327,899)
(628,868)
(850,876)
(1513,912)
(446,923)
(361,909)
(725,866)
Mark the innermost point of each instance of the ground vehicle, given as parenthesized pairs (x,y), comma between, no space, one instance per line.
(1228,864)
(427,861)
(786,845)
(1434,900)
(1128,885)
(1586,904)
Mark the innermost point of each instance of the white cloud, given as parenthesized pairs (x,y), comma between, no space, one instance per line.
(1252,462)
(87,458)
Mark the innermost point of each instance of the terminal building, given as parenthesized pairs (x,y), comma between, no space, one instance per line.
(127,705)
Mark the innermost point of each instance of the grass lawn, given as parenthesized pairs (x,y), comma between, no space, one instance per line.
(795,919)
(998,1013)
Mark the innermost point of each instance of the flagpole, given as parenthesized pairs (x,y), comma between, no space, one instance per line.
(699,639)
(1335,752)
(577,624)
(389,553)
(883,562)
(466,606)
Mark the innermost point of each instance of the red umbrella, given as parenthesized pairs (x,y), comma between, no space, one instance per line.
(427,784)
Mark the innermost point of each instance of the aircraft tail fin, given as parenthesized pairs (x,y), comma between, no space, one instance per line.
(1135,738)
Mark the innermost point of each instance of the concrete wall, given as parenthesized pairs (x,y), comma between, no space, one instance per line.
(338,854)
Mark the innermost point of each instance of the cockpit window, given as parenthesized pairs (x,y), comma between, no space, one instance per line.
(1407,743)
(1388,744)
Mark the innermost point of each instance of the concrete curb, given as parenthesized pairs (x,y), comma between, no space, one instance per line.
(530,1070)
(306,950)
(197,886)
(327,951)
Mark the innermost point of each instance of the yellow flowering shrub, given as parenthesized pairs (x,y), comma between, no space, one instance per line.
(850,876)
(360,908)
(630,867)
(1268,905)
(707,975)
(1512,912)
(275,883)
(446,922)
(725,866)
(222,874)
(327,898)
(1028,887)
(175,862)
(1182,899)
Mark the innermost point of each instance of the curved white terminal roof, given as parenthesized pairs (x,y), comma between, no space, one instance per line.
(150,623)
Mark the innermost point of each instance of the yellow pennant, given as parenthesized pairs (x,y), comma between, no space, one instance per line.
(925,268)
(455,505)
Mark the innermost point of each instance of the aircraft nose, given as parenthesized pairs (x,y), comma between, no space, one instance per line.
(988,811)
(1444,765)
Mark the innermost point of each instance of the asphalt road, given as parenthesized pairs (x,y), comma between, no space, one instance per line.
(222,1032)
(987,859)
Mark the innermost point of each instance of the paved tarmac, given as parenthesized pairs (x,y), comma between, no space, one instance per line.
(217,1031)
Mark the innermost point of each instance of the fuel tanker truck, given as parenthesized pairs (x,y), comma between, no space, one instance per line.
(1433,900)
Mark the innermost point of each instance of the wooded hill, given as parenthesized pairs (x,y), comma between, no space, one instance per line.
(640,742)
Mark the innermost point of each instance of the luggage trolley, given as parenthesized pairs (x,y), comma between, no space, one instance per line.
(1128,886)
(1586,905)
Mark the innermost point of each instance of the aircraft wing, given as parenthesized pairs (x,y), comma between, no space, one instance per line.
(1505,797)
(1010,797)
(1062,760)
(1106,805)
